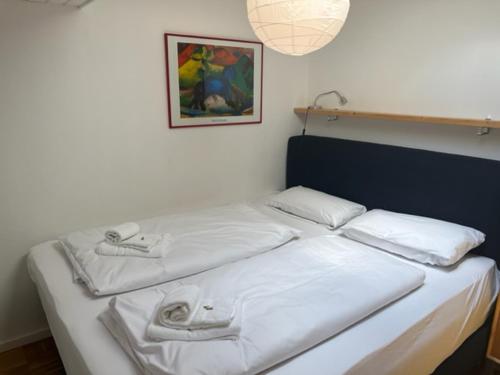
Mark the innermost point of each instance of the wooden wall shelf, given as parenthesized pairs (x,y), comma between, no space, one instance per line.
(399,117)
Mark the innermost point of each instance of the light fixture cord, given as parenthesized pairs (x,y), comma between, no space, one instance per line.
(305,121)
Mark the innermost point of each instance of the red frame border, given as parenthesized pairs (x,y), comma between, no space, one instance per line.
(169,105)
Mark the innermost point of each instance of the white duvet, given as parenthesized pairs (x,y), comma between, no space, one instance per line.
(293,298)
(201,240)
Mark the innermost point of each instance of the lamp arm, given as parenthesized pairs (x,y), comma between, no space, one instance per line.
(342,99)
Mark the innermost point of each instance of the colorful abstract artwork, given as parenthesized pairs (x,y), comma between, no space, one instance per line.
(213,81)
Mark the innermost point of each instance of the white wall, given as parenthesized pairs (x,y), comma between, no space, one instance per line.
(83,132)
(428,57)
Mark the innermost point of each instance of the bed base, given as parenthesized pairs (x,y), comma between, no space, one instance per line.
(470,357)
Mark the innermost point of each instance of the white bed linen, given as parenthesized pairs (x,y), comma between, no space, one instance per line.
(387,342)
(201,240)
(292,299)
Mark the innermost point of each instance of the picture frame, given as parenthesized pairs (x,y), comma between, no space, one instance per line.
(213,81)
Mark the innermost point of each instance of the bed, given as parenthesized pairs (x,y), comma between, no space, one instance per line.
(448,314)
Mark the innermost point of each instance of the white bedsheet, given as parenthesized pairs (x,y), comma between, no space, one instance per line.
(293,298)
(201,240)
(388,341)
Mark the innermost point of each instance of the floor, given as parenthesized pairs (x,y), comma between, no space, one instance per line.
(40,358)
(491,368)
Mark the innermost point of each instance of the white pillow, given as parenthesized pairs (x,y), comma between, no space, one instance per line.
(316,206)
(419,238)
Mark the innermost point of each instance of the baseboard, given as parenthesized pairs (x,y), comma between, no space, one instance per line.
(25,339)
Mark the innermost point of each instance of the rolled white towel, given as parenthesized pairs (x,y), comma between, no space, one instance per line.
(208,313)
(184,308)
(211,318)
(160,250)
(121,232)
(178,304)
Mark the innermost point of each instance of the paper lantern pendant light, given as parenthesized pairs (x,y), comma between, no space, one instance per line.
(297,27)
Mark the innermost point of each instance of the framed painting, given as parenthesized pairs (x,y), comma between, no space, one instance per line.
(213,81)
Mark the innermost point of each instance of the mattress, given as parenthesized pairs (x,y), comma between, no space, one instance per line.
(411,336)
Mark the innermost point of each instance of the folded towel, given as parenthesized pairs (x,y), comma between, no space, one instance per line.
(178,304)
(143,242)
(156,331)
(209,313)
(160,250)
(122,232)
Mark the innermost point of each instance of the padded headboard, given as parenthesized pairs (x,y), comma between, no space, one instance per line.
(455,188)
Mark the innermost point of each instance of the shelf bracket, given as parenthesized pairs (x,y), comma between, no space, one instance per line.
(483,131)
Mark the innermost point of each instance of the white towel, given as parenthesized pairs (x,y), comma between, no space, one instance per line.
(223,324)
(122,232)
(143,242)
(157,332)
(178,304)
(160,250)
(208,313)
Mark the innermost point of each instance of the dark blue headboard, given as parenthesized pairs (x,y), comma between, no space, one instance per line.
(455,188)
